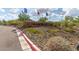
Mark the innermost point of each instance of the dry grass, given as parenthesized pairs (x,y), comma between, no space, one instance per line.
(57,44)
(69,30)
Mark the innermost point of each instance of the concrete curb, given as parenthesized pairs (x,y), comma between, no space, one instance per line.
(26,43)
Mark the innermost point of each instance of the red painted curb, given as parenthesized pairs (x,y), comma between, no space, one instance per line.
(32,46)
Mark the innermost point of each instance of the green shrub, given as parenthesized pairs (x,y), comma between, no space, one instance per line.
(69,30)
(53,30)
(23,16)
(43,19)
(19,24)
(34,31)
(56,24)
(12,22)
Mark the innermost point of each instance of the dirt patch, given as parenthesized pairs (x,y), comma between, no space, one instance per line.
(53,39)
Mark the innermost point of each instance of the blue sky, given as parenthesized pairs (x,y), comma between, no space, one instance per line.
(55,14)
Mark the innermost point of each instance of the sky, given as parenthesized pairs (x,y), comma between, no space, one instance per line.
(54,14)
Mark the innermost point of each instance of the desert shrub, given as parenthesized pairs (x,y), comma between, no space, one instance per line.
(34,31)
(19,23)
(69,30)
(12,22)
(71,24)
(53,30)
(16,23)
(56,24)
(50,23)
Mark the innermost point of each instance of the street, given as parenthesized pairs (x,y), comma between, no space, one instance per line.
(8,39)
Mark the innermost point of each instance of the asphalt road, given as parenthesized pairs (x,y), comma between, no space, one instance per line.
(8,39)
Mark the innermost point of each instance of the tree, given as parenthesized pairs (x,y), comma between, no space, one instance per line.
(0,22)
(68,21)
(4,22)
(69,18)
(43,19)
(77,18)
(23,16)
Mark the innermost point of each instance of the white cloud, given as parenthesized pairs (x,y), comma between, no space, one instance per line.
(2,17)
(8,16)
(11,16)
(66,9)
(9,13)
(14,10)
(12,13)
(2,10)
(72,12)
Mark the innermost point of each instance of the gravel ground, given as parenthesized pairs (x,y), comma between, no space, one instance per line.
(47,40)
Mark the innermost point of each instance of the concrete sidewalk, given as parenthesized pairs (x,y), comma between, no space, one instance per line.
(8,39)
